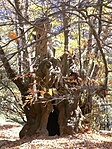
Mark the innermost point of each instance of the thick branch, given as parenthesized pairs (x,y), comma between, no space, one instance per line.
(96,36)
(10,72)
(101,51)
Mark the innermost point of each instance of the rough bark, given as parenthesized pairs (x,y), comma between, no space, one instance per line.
(38,111)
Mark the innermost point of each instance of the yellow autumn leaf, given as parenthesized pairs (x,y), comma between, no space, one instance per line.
(75,44)
(71,51)
(110,66)
(76,35)
(50,91)
(54,91)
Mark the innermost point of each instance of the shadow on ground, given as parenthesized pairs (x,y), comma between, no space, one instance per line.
(55,142)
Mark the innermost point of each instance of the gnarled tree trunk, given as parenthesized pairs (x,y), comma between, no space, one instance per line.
(47,105)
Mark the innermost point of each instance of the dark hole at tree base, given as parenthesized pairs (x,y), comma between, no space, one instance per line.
(52,125)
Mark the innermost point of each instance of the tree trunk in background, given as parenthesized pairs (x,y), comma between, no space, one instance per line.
(41,47)
(79,46)
(66,31)
(100,6)
(65,25)
(22,54)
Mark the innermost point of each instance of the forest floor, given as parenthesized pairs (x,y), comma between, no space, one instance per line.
(9,139)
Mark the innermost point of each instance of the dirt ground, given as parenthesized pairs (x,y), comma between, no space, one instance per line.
(9,139)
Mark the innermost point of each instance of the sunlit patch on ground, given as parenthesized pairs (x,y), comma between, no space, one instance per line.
(9,139)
